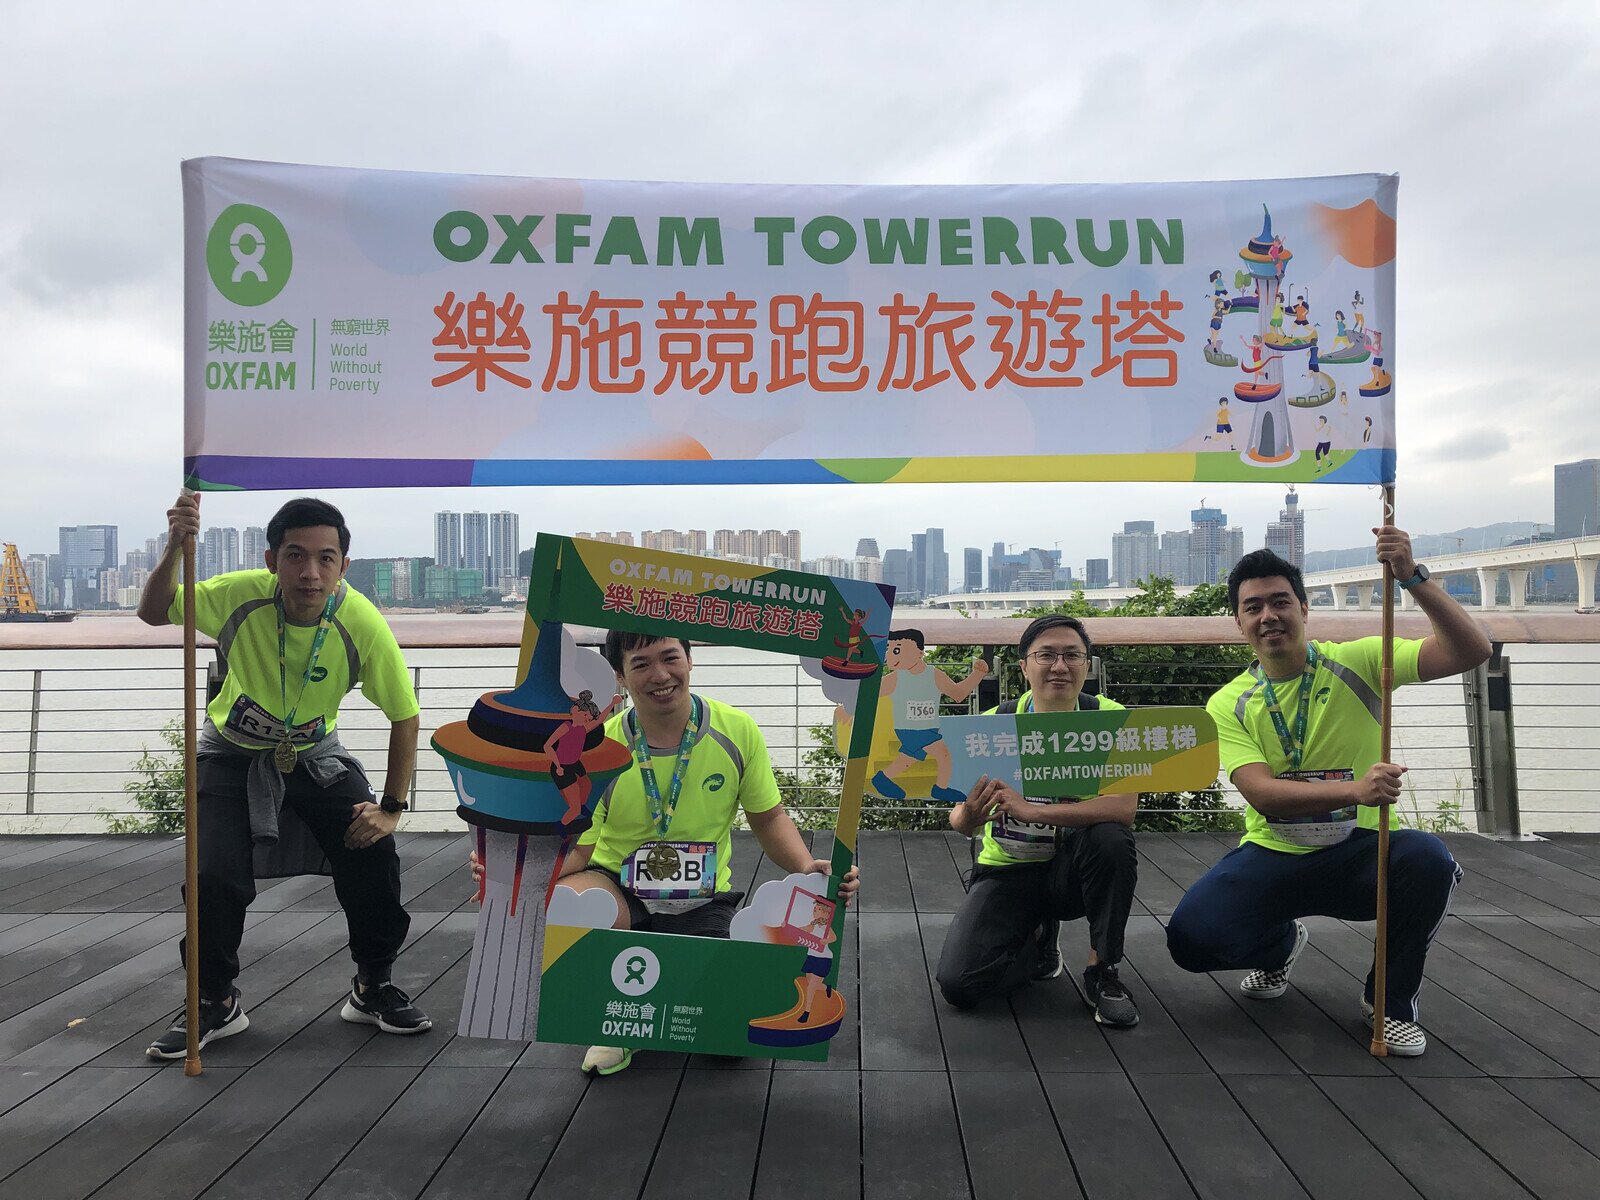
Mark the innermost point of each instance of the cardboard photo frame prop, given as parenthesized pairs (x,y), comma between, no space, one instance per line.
(546,962)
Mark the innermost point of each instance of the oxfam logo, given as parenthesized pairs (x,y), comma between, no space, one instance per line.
(248,254)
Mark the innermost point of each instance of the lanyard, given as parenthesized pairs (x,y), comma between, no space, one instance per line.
(311,663)
(1293,747)
(659,813)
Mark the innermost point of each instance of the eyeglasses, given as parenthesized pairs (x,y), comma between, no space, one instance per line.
(1049,658)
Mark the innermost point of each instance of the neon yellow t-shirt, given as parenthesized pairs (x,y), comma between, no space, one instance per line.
(1342,725)
(991,853)
(237,610)
(729,769)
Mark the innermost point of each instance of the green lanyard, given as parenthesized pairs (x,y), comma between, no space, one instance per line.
(1293,747)
(659,813)
(283,657)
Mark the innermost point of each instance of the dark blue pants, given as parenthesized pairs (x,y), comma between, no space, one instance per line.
(1240,916)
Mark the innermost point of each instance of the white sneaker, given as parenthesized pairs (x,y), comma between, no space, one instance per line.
(1405,1039)
(1269,985)
(606,1060)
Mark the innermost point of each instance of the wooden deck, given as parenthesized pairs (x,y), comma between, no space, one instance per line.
(1212,1095)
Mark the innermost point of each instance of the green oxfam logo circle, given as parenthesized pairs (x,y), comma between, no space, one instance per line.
(248,254)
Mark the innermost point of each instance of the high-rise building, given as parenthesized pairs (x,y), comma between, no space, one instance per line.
(505,544)
(936,577)
(831,564)
(773,543)
(86,550)
(218,552)
(447,539)
(619,538)
(897,574)
(972,569)
(1173,556)
(1286,537)
(867,548)
(1213,546)
(475,542)
(37,568)
(1135,553)
(1578,498)
(1097,573)
(675,541)
(252,548)
(868,568)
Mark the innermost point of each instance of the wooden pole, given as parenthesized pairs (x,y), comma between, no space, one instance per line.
(1380,960)
(191,823)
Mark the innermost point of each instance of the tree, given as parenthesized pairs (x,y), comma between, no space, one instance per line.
(156,789)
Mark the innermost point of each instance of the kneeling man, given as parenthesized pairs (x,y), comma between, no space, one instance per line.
(1299,735)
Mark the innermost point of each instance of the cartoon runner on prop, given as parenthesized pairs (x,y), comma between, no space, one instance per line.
(915,687)
(567,744)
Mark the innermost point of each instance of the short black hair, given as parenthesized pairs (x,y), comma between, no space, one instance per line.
(1042,625)
(303,513)
(620,641)
(1263,564)
(908,635)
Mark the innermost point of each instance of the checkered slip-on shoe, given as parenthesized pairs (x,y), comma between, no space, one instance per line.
(1405,1039)
(1269,985)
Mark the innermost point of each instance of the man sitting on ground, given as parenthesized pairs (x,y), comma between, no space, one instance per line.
(707,761)
(1299,735)
(1044,861)
(296,638)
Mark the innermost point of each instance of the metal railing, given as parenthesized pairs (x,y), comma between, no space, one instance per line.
(71,734)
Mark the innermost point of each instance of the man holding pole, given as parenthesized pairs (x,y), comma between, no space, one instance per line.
(296,638)
(1300,737)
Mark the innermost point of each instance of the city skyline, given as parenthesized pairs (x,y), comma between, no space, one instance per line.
(481,550)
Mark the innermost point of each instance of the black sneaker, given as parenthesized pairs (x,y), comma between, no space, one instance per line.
(385,1006)
(1104,993)
(1050,965)
(218,1019)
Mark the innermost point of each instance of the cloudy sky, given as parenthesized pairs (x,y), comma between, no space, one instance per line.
(1483,113)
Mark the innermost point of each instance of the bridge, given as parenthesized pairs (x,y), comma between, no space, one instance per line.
(1515,562)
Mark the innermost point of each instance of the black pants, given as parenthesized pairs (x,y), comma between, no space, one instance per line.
(991,947)
(367,882)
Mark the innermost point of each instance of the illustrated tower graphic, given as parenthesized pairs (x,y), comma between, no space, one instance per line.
(1271,438)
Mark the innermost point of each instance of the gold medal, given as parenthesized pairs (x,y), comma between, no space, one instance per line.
(284,756)
(661,862)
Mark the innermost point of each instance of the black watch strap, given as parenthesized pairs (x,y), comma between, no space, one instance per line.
(390,804)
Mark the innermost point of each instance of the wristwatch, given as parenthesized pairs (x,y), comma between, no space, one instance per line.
(1422,576)
(391,805)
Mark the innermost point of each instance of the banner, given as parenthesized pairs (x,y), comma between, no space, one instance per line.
(443,330)
(530,765)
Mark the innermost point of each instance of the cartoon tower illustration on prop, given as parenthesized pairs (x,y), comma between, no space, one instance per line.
(1271,439)
(500,761)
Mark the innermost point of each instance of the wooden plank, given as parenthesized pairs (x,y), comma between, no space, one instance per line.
(310,1142)
(1155,890)
(19,1083)
(403,1151)
(1556,885)
(33,928)
(1218,1028)
(885,883)
(608,1148)
(1156,1044)
(87,963)
(985,1038)
(1510,962)
(1009,1134)
(1222,1152)
(899,1031)
(816,1108)
(30,1128)
(910,1138)
(166,863)
(511,1139)
(1435,1157)
(436,968)
(1571,1105)
(1471,1042)
(1115,1147)
(1328,1155)
(22,883)
(1171,858)
(1059,1031)
(734,1104)
(1543,1159)
(935,879)
(198,1152)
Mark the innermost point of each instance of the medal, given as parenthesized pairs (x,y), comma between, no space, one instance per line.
(661,862)
(284,756)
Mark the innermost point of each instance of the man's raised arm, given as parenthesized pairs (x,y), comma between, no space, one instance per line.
(183,520)
(1457,643)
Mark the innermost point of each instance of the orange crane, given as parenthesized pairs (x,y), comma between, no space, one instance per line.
(16,596)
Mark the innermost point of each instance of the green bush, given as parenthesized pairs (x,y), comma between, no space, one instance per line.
(156,789)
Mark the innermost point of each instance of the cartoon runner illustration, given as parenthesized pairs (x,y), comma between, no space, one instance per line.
(1366,432)
(915,687)
(1324,444)
(1224,423)
(565,750)
(853,636)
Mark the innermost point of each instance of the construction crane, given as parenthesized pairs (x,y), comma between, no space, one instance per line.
(16,595)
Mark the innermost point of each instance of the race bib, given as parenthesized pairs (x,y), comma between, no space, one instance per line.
(249,722)
(922,710)
(1027,840)
(1317,829)
(671,877)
